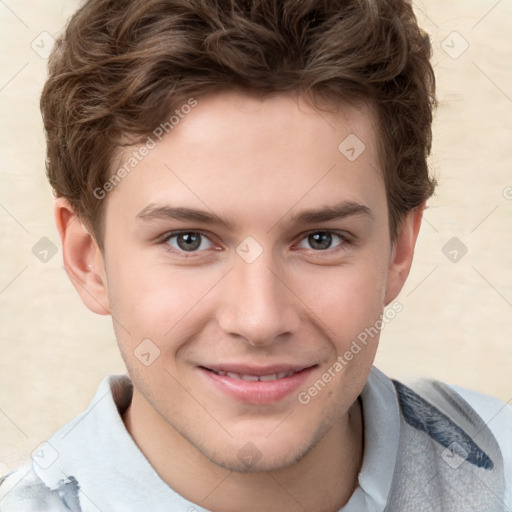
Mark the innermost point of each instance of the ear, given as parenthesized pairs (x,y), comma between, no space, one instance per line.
(402,252)
(83,260)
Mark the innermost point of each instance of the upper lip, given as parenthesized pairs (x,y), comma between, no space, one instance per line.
(244,369)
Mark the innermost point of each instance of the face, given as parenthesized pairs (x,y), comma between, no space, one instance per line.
(243,256)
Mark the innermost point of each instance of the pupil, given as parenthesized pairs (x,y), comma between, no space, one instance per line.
(320,240)
(189,241)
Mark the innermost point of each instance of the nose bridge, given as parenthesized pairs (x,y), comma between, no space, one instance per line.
(256,303)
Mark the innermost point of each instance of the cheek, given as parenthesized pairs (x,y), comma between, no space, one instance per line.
(345,300)
(155,301)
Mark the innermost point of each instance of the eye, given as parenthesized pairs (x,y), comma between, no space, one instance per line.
(322,240)
(188,241)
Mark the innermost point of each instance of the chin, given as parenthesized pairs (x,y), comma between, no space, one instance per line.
(257,462)
(265,454)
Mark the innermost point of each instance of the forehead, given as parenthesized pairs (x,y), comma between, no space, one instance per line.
(240,154)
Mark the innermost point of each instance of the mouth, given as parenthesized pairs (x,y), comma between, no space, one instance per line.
(248,377)
(256,385)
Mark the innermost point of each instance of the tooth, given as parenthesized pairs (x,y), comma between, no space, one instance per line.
(268,377)
(250,377)
(265,378)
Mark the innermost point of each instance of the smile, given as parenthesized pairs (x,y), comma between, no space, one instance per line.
(257,386)
(264,378)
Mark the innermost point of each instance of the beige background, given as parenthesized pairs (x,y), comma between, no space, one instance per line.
(457,319)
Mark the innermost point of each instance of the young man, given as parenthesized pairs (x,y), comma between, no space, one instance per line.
(240,185)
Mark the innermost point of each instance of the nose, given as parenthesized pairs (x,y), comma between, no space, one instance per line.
(257,305)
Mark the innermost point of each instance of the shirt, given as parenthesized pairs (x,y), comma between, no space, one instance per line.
(92,464)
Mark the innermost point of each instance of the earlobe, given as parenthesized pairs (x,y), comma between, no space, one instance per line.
(82,257)
(403,252)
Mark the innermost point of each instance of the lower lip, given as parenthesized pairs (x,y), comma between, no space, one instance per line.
(257,392)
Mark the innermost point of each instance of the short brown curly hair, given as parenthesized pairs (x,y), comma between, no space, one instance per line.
(121,67)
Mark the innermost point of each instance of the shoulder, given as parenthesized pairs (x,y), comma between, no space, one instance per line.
(472,430)
(22,490)
(50,487)
(494,412)
(425,399)
(497,416)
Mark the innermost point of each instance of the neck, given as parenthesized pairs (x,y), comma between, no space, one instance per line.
(323,480)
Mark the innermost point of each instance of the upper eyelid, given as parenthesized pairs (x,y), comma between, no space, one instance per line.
(171,234)
(340,233)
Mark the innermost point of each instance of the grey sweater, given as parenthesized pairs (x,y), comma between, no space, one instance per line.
(448,459)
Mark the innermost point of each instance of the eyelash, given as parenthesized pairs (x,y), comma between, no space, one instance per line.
(345,240)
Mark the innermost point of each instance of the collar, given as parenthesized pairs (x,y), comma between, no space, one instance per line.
(96,449)
(381,437)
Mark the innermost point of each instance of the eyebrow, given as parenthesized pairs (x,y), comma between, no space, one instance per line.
(346,209)
(337,212)
(155,212)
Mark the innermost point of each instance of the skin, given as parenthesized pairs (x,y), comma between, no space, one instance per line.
(255,163)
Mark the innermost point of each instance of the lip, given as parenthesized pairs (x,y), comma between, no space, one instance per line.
(255,391)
